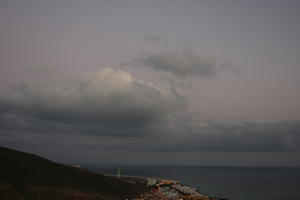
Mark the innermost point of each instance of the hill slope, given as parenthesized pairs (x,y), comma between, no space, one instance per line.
(30,177)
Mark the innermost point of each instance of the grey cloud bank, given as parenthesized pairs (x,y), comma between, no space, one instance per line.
(181,63)
(111,110)
(105,97)
(152,38)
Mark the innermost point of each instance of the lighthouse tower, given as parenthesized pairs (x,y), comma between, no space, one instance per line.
(119,174)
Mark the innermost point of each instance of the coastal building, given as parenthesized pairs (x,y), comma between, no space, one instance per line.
(151,181)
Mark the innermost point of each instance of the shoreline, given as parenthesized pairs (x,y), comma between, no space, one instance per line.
(167,189)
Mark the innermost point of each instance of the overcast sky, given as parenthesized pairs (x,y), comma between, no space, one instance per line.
(152,82)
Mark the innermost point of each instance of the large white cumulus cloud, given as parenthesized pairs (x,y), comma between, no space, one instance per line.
(103,96)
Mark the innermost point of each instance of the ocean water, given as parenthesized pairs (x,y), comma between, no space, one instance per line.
(234,183)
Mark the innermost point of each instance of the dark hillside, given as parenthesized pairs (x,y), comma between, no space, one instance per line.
(29,177)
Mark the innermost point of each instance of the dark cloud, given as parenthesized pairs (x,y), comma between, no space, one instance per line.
(176,83)
(106,98)
(187,133)
(181,63)
(38,70)
(113,111)
(152,38)
(195,135)
(173,133)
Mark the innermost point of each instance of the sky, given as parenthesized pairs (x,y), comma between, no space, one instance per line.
(152,82)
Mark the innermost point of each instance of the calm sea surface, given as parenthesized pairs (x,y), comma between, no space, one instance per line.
(234,183)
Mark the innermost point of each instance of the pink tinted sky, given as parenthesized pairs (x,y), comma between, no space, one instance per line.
(260,40)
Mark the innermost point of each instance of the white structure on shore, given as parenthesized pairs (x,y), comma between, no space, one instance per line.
(151,181)
(119,174)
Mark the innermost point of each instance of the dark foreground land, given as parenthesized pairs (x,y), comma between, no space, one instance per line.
(25,176)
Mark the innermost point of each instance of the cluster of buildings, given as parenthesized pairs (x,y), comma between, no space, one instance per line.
(164,189)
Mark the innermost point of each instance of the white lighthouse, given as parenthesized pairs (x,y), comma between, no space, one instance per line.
(119,174)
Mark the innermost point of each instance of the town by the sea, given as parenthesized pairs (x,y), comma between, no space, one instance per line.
(233,183)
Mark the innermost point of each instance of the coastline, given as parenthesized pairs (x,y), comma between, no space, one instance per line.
(166,189)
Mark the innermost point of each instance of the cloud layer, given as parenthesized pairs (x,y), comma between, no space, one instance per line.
(181,63)
(110,109)
(106,96)
(153,38)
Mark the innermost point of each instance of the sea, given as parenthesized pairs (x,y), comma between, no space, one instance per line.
(233,183)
